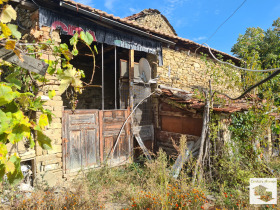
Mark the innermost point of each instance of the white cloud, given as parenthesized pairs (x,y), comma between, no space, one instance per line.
(217,12)
(171,5)
(109,4)
(199,38)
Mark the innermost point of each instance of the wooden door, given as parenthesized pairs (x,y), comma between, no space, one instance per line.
(80,140)
(111,122)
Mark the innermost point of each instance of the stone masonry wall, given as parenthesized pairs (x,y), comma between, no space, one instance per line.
(184,70)
(49,162)
(155,21)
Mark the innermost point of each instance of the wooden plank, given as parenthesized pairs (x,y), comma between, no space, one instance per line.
(29,63)
(91,145)
(145,150)
(128,134)
(74,145)
(101,138)
(181,160)
(174,114)
(165,136)
(131,76)
(82,119)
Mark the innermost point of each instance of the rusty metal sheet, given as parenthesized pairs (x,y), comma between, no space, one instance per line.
(184,125)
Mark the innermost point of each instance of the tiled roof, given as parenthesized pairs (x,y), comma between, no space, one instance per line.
(228,107)
(146,11)
(147,29)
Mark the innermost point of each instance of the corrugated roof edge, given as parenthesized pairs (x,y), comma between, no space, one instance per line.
(136,25)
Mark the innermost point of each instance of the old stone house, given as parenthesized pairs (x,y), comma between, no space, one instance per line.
(85,138)
(182,69)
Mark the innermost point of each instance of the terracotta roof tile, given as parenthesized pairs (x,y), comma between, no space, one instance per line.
(229,107)
(157,32)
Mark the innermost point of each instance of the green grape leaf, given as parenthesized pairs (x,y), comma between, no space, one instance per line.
(16,176)
(7,94)
(14,30)
(74,39)
(11,78)
(37,104)
(24,99)
(52,94)
(2,172)
(49,114)
(5,122)
(86,37)
(18,133)
(3,151)
(68,77)
(75,52)
(44,141)
(43,120)
(64,46)
(51,69)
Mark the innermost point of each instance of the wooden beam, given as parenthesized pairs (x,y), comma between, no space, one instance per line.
(131,77)
(130,107)
(145,150)
(29,63)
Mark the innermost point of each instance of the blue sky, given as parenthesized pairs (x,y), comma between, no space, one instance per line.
(198,19)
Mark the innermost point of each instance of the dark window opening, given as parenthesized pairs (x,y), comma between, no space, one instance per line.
(116,86)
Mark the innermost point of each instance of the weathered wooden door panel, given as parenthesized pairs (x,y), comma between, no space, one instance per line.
(112,122)
(90,135)
(92,148)
(81,139)
(74,160)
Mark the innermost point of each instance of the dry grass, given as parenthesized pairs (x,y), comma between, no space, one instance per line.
(134,186)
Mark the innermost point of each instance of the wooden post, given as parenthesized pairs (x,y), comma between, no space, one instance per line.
(116,77)
(131,77)
(128,133)
(102,77)
(204,132)
(101,139)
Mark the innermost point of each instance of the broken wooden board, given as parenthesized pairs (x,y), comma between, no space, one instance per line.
(29,63)
(181,160)
(145,150)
